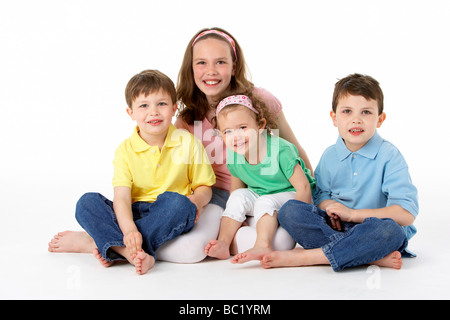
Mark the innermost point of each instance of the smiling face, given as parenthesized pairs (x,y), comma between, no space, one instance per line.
(153,114)
(213,67)
(240,131)
(357,120)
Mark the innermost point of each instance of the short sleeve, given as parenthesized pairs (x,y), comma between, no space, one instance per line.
(122,174)
(288,159)
(272,102)
(201,172)
(398,186)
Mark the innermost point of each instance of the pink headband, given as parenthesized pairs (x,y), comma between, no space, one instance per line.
(239,99)
(220,33)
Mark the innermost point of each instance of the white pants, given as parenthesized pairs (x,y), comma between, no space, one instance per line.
(190,247)
(245,204)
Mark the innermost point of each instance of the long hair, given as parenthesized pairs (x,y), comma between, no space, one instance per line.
(193,105)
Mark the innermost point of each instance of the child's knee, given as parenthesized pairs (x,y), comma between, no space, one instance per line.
(290,211)
(387,231)
(87,206)
(176,204)
(86,201)
(181,202)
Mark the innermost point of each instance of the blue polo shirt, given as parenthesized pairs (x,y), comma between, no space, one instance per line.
(373,177)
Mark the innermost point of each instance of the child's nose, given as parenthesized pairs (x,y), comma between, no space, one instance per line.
(211,69)
(153,110)
(357,119)
(238,136)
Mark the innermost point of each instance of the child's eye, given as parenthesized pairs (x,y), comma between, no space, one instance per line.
(346,111)
(162,104)
(228,131)
(366,112)
(242,127)
(143,105)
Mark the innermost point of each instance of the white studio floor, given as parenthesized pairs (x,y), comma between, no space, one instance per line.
(29,271)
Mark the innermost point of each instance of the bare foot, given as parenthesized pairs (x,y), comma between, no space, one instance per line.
(289,258)
(143,262)
(217,249)
(256,253)
(72,241)
(392,260)
(102,260)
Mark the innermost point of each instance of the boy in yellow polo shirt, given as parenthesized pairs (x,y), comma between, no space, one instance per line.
(162,179)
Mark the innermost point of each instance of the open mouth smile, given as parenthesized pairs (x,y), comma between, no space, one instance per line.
(211,83)
(154,122)
(356,131)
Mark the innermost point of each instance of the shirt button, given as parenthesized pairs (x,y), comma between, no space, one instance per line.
(153,151)
(354,156)
(158,165)
(355,173)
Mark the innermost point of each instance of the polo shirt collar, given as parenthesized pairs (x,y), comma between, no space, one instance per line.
(139,145)
(370,150)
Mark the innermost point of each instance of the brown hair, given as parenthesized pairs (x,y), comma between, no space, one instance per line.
(258,104)
(146,82)
(193,103)
(358,85)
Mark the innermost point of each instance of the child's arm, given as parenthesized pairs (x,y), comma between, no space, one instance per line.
(301,184)
(287,134)
(122,208)
(395,212)
(200,197)
(236,183)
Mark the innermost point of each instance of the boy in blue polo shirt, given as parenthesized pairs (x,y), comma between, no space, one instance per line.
(365,202)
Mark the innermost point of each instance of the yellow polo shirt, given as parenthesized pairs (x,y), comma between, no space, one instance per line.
(181,166)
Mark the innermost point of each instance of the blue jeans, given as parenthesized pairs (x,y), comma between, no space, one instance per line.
(169,216)
(356,244)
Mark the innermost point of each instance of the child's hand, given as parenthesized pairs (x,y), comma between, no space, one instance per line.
(337,212)
(193,199)
(133,242)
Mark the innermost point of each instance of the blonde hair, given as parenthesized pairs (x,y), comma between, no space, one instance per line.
(193,104)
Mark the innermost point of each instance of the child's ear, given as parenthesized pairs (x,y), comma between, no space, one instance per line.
(262,124)
(175,108)
(130,112)
(381,119)
(333,117)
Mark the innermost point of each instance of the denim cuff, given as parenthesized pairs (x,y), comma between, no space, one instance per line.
(110,255)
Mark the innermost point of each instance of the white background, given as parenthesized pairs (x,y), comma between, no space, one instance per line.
(64,66)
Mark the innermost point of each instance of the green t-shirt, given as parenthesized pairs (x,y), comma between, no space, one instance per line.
(272,174)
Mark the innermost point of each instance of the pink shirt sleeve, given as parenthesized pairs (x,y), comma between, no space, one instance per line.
(272,102)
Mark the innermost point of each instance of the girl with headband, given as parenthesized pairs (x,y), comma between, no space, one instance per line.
(213,64)
(266,171)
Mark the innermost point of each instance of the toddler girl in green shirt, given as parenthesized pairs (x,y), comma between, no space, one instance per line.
(266,171)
